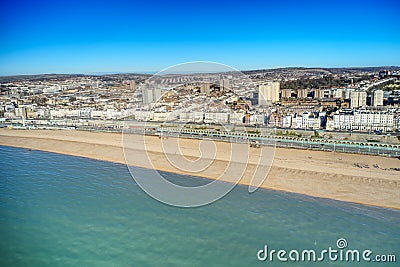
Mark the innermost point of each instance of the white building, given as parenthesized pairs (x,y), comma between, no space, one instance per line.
(287,121)
(297,121)
(151,94)
(377,98)
(216,117)
(310,121)
(364,120)
(268,93)
(358,99)
(343,121)
(257,119)
(306,120)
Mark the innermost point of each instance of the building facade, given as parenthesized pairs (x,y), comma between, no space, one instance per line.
(364,120)
(358,99)
(268,93)
(377,98)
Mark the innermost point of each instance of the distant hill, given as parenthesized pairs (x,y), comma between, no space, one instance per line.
(128,76)
(56,77)
(38,77)
(326,70)
(361,69)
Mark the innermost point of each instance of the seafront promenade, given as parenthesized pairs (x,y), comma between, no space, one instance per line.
(265,137)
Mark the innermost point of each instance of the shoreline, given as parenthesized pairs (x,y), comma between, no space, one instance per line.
(329,175)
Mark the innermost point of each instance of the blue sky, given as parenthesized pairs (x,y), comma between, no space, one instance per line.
(147,36)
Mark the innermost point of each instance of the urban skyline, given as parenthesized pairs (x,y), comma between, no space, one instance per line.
(364,100)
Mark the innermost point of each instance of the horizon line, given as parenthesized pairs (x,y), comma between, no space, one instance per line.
(102,73)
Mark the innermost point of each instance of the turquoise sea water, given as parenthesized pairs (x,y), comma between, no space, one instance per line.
(58,210)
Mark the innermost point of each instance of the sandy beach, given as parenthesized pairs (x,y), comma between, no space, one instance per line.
(347,177)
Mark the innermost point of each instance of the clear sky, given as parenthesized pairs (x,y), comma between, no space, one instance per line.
(146,36)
